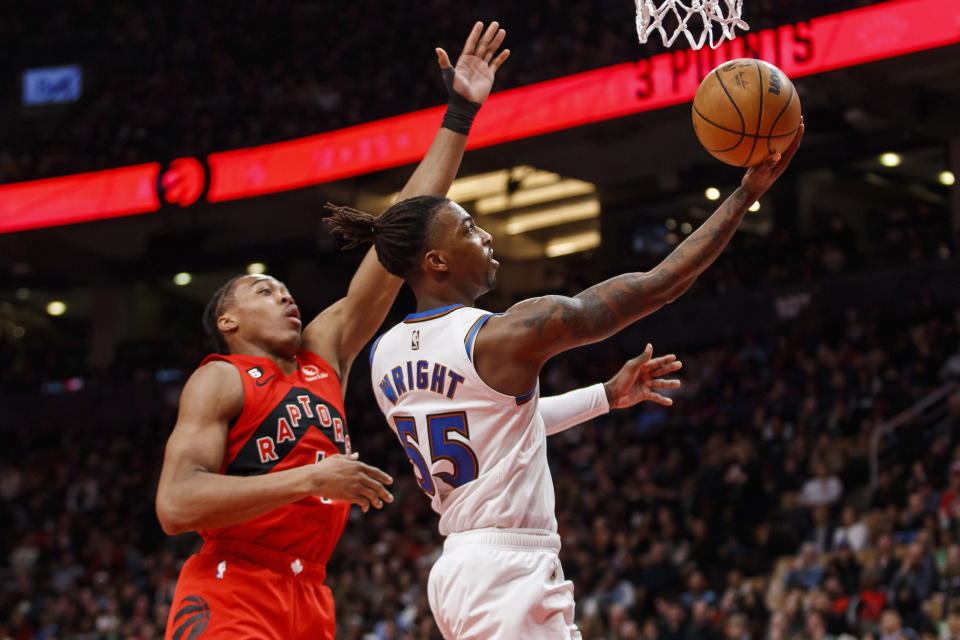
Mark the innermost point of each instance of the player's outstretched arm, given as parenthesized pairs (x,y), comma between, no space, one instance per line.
(512,347)
(340,332)
(193,494)
(639,379)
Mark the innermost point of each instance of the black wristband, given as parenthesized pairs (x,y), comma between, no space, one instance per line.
(460,111)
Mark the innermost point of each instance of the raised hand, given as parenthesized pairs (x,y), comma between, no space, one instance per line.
(476,66)
(759,178)
(639,378)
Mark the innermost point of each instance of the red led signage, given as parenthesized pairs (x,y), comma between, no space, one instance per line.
(831,42)
(79,198)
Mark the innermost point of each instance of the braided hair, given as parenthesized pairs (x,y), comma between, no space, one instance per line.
(220,300)
(400,234)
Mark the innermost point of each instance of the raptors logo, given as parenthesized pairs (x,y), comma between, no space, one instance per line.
(183,183)
(192,618)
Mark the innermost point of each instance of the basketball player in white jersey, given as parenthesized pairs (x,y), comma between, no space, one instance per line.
(459,386)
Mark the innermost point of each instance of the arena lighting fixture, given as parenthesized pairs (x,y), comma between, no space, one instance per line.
(23,293)
(686,228)
(671,224)
(755,207)
(474,187)
(56,308)
(256,268)
(890,159)
(947,178)
(514,188)
(554,215)
(565,188)
(565,245)
(182,279)
(712,193)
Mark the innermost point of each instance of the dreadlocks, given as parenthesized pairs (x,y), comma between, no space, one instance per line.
(215,307)
(399,234)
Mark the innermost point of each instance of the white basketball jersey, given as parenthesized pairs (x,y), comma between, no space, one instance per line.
(479,455)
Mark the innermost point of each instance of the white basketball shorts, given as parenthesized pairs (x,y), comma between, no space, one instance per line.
(502,584)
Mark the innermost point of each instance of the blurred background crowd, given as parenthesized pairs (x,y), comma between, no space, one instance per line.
(747,510)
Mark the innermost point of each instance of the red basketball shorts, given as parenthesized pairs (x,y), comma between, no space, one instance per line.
(235,590)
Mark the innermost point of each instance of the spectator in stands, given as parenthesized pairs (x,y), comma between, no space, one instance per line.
(840,603)
(778,627)
(950,572)
(736,628)
(734,589)
(845,567)
(950,494)
(672,620)
(911,519)
(871,600)
(702,627)
(888,492)
(659,575)
(852,530)
(822,531)
(891,627)
(807,571)
(816,627)
(886,562)
(823,488)
(951,629)
(697,591)
(918,573)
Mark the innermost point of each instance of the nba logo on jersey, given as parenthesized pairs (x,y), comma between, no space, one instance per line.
(256,373)
(415,340)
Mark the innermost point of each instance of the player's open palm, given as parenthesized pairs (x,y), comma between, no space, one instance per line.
(760,177)
(346,479)
(640,379)
(476,66)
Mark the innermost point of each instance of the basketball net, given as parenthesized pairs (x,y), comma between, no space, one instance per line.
(722,15)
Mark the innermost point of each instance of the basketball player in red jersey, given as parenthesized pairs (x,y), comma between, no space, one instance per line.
(260,460)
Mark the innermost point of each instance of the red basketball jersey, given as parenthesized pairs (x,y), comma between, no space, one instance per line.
(287,421)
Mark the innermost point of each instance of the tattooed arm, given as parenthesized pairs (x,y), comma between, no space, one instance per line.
(512,347)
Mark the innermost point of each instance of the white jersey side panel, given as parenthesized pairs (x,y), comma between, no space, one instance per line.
(478,454)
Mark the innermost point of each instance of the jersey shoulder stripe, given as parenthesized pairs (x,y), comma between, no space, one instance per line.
(431,314)
(373,347)
(471,336)
(525,398)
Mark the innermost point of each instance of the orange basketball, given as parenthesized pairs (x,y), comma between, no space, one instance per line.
(744,110)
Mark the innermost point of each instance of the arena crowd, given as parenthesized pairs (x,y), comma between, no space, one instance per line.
(673,520)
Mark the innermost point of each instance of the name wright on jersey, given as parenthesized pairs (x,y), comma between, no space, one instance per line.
(420,376)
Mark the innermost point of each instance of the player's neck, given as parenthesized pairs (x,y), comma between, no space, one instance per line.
(427,300)
(286,364)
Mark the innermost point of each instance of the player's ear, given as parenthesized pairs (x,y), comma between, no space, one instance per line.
(227,322)
(435,261)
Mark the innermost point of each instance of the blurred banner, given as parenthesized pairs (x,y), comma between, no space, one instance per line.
(52,85)
(821,44)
